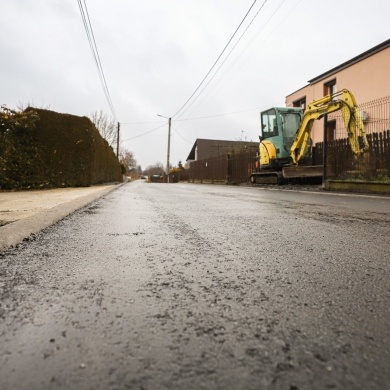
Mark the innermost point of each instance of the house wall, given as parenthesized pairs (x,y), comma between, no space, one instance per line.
(367,79)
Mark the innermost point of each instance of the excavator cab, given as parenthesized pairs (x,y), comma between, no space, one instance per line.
(279,127)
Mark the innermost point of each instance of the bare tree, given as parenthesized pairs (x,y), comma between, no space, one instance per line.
(155,169)
(127,159)
(107,127)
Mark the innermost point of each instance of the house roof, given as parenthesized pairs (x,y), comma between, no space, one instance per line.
(376,49)
(213,147)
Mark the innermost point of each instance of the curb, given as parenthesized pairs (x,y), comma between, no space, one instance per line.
(16,232)
(373,187)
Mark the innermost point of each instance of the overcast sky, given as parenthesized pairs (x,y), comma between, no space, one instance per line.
(155,53)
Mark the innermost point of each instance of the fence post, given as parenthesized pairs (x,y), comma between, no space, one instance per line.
(324,152)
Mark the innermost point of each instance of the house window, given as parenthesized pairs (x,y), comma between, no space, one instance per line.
(330,87)
(330,130)
(301,103)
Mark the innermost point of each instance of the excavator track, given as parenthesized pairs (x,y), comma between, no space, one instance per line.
(266,177)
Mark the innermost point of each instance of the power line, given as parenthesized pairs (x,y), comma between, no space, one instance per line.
(219,115)
(95,52)
(215,63)
(190,119)
(225,59)
(147,132)
(139,123)
(178,133)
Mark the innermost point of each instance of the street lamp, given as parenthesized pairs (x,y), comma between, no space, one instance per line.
(169,143)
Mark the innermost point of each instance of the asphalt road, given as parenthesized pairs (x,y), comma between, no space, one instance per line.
(186,286)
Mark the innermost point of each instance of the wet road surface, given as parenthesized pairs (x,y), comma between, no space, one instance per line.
(201,287)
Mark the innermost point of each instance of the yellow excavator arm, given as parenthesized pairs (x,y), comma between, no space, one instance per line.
(344,101)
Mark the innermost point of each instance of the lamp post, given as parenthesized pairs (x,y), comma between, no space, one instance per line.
(169,143)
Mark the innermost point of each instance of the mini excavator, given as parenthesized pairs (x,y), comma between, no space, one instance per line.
(285,150)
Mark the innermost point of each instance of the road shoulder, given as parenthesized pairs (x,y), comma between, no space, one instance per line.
(32,217)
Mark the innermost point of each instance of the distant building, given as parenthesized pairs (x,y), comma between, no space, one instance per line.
(205,148)
(366,76)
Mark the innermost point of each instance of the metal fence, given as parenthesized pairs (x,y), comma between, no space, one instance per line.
(372,165)
(341,163)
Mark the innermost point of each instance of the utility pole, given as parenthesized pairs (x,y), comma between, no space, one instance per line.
(117,142)
(169,142)
(169,147)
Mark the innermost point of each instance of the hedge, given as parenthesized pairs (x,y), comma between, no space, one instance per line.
(45,149)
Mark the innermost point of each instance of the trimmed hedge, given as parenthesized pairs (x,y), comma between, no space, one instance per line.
(55,150)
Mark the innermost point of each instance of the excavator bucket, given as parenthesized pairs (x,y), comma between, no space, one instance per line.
(303,171)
